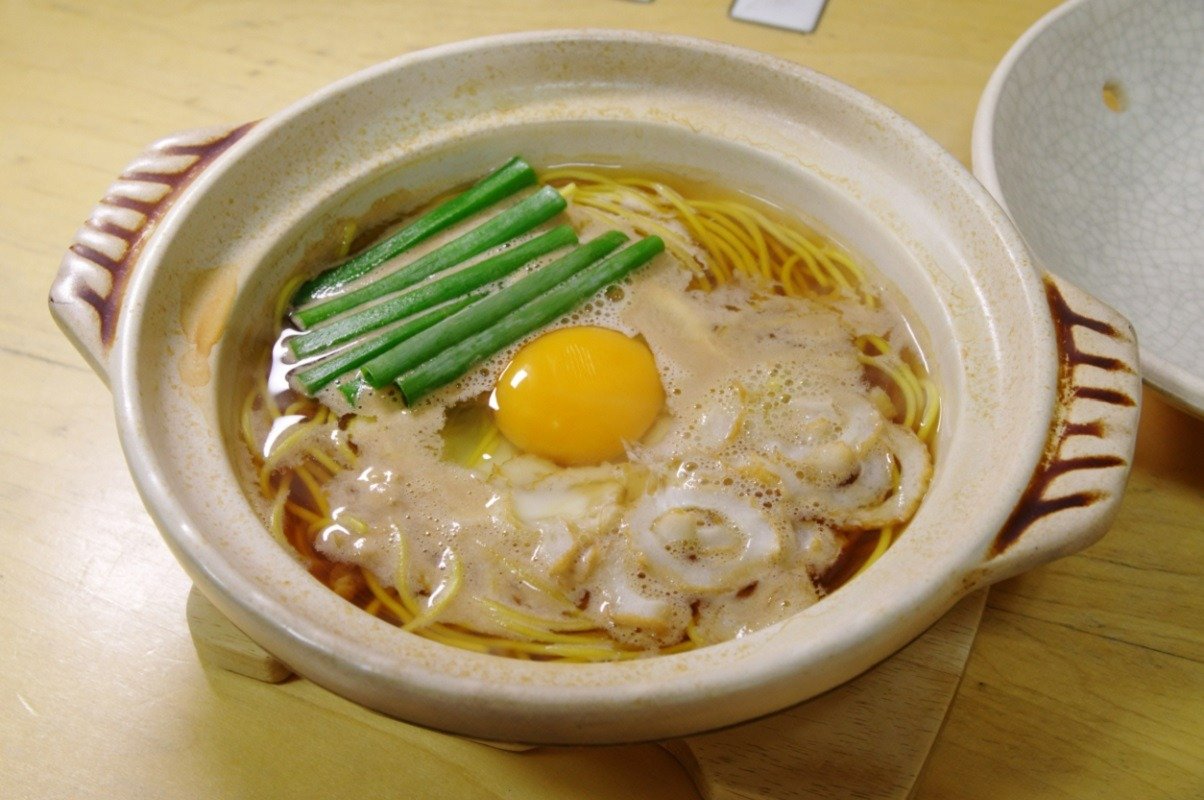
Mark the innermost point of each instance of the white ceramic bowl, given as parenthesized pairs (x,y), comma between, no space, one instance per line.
(1039,384)
(1091,134)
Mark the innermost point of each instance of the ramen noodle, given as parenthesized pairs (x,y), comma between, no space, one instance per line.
(782,420)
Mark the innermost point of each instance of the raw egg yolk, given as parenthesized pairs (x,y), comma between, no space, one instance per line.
(575,395)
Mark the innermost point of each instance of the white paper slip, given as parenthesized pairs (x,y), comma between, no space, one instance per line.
(795,15)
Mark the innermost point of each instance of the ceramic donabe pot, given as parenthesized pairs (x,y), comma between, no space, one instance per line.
(1039,382)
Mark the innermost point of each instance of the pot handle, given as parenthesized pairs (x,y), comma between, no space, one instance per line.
(88,291)
(1076,487)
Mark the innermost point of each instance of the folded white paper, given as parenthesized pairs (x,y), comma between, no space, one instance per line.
(795,15)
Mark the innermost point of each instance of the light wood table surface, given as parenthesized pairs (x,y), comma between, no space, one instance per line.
(1085,680)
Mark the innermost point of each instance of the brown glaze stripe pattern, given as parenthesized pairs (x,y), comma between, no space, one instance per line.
(1037,502)
(107,247)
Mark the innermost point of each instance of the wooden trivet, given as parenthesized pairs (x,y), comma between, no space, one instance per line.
(866,739)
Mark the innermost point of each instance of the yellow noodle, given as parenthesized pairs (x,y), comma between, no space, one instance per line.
(327,463)
(735,258)
(288,444)
(577,622)
(739,233)
(715,239)
(539,585)
(245,422)
(740,214)
(320,474)
(681,647)
(277,516)
(303,512)
(639,202)
(462,639)
(265,482)
(450,590)
(884,539)
(574,174)
(777,250)
(877,342)
(283,298)
(903,375)
(386,599)
(728,216)
(673,241)
(486,643)
(907,390)
(642,224)
(849,266)
(401,580)
(756,258)
(801,244)
(602,203)
(353,523)
(831,268)
(690,218)
(786,277)
(310,483)
(343,448)
(931,410)
(269,402)
(921,401)
(818,275)
(898,373)
(646,184)
(542,635)
(578,652)
(298,407)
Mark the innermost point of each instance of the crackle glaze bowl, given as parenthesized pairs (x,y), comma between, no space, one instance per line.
(1039,382)
(1091,135)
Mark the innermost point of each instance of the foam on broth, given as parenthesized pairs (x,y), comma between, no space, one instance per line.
(789,453)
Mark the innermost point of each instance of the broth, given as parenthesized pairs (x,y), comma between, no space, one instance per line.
(790,449)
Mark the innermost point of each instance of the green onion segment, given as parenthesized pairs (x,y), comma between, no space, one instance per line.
(507,179)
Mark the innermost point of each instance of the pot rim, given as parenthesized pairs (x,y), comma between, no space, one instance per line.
(588,702)
(1181,386)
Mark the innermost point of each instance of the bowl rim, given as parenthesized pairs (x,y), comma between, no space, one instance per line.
(1181,386)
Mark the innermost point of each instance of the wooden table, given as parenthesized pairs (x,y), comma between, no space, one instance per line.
(1086,678)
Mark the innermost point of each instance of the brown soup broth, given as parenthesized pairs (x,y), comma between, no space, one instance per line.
(289,494)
